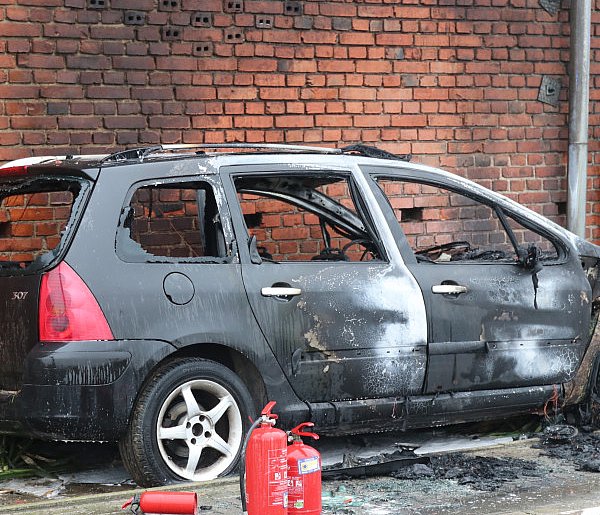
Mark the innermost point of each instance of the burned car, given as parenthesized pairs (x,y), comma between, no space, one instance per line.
(158,297)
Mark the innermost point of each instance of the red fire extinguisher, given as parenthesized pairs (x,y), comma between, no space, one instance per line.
(163,502)
(265,489)
(304,473)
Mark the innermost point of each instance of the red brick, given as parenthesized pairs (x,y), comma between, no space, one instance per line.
(8,29)
(294,121)
(356,38)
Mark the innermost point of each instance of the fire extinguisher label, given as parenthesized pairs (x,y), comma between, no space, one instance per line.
(296,492)
(309,465)
(278,477)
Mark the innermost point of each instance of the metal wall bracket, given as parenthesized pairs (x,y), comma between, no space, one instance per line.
(549,90)
(550,6)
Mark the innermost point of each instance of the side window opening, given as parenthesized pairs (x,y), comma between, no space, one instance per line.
(441,225)
(34,220)
(299,218)
(173,222)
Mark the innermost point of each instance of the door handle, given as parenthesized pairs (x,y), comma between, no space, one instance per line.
(280,291)
(448,289)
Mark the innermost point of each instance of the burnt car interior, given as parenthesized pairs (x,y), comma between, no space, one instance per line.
(301,218)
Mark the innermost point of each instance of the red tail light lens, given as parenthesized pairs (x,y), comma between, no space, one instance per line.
(68,311)
(13,171)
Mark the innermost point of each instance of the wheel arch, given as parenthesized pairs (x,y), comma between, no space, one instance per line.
(227,356)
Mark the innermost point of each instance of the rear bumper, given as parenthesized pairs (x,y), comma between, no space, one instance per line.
(82,390)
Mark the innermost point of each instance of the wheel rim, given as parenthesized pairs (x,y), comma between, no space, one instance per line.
(199,430)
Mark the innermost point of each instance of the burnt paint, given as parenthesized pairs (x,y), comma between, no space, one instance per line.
(357,330)
(501,332)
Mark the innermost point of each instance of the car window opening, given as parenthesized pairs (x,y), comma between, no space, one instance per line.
(172,222)
(299,218)
(444,226)
(35,217)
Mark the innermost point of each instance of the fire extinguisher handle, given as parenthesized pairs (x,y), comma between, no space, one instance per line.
(298,430)
(266,412)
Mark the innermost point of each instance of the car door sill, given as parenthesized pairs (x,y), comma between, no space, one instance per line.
(399,413)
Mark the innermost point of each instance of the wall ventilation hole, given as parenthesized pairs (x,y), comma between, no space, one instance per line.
(168,5)
(201,19)
(264,22)
(412,214)
(97,4)
(203,49)
(233,37)
(171,34)
(234,6)
(292,8)
(135,18)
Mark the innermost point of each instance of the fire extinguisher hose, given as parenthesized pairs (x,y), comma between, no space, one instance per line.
(243,464)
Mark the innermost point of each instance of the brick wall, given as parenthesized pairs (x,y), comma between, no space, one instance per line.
(453,82)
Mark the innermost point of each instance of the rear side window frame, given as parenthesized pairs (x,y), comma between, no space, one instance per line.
(80,200)
(129,251)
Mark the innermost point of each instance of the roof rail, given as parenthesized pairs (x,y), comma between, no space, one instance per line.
(368,151)
(358,149)
(132,153)
(256,146)
(142,152)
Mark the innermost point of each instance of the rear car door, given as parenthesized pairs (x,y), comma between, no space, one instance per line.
(492,322)
(344,320)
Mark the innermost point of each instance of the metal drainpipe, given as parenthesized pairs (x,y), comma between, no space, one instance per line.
(579,91)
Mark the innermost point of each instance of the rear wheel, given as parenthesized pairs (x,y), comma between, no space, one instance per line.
(188,424)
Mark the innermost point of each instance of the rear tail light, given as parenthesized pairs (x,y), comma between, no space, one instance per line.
(68,311)
(13,171)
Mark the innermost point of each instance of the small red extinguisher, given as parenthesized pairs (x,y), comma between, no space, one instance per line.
(266,467)
(163,502)
(304,473)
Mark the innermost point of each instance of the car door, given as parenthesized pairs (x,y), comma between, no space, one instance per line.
(492,322)
(343,319)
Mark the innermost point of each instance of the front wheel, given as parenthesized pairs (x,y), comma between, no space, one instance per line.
(188,424)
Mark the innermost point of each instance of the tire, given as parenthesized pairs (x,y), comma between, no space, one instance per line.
(188,424)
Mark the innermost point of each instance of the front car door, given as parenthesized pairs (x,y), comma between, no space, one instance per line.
(344,320)
(493,322)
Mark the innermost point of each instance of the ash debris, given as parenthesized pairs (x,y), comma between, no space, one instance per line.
(478,472)
(481,473)
(582,449)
